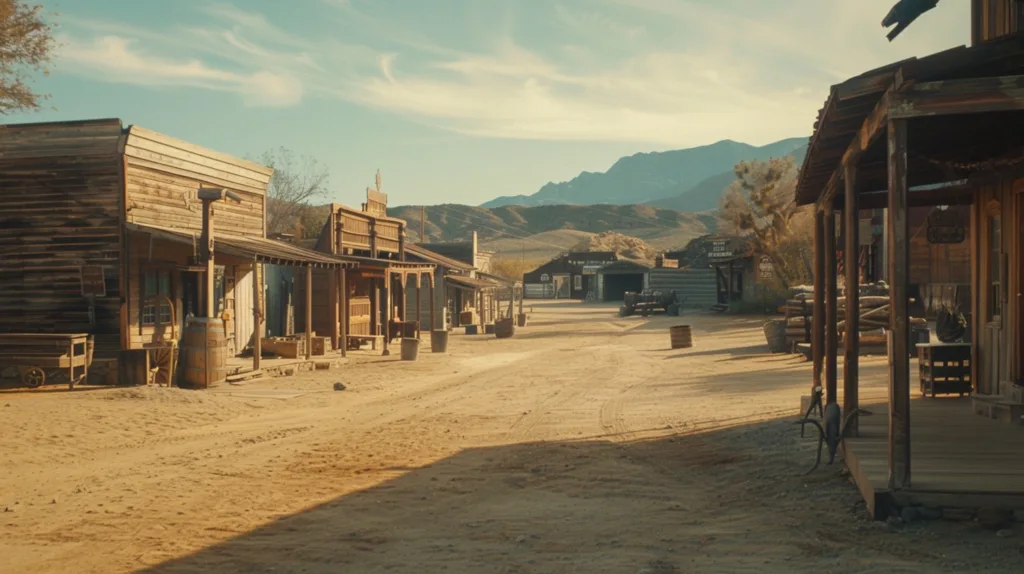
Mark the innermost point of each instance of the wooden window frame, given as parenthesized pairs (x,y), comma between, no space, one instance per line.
(172,286)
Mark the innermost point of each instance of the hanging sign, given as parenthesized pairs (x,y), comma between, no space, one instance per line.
(765,268)
(944,226)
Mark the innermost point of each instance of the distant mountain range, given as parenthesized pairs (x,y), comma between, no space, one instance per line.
(684,180)
(543,231)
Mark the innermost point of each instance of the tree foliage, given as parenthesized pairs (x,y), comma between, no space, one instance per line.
(761,204)
(513,267)
(26,47)
(297,182)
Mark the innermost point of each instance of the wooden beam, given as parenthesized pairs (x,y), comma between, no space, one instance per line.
(818,312)
(388,281)
(432,317)
(257,314)
(309,313)
(899,344)
(954,195)
(851,363)
(831,310)
(970,96)
(343,319)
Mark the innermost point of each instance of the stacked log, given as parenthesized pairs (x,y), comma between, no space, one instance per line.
(872,323)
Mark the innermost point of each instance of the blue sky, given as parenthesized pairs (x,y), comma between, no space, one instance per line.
(464,100)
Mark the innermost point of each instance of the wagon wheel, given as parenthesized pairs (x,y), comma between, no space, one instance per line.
(33,377)
(161,361)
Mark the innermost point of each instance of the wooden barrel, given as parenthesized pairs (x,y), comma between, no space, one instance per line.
(504,328)
(682,337)
(775,334)
(204,353)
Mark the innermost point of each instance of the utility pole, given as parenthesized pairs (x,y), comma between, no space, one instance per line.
(423,224)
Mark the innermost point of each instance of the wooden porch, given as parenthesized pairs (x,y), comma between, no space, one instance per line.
(960,459)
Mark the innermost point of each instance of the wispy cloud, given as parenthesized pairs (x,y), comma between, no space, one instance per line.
(672,72)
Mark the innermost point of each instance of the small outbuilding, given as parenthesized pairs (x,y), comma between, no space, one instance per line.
(616,279)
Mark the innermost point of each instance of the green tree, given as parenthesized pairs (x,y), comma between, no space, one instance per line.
(26,47)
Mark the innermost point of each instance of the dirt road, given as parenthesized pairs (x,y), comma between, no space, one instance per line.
(581,445)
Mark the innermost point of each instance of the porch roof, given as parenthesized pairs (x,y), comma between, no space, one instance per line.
(470,283)
(935,142)
(260,249)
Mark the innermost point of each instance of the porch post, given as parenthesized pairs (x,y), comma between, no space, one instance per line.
(309,312)
(818,311)
(419,304)
(257,314)
(831,307)
(899,344)
(851,365)
(343,319)
(334,303)
(387,312)
(430,277)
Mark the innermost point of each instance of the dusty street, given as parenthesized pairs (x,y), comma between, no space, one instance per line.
(581,445)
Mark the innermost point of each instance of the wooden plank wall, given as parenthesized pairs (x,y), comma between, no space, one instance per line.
(60,206)
(163,175)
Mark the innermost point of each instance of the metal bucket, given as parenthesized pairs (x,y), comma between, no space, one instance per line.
(504,328)
(681,336)
(439,341)
(410,349)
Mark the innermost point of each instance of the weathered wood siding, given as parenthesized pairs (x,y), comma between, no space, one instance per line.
(163,175)
(991,19)
(995,337)
(60,209)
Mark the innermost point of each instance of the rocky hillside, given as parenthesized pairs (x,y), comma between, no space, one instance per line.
(684,180)
(624,246)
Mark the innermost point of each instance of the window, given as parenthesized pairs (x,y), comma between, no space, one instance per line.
(156,310)
(995,260)
(578,281)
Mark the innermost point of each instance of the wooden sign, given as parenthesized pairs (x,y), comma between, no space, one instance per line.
(94,282)
(765,268)
(720,248)
(944,226)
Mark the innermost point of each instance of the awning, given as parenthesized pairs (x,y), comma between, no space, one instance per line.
(260,249)
(470,283)
(387,265)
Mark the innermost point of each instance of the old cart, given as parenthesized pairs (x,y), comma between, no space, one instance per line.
(40,356)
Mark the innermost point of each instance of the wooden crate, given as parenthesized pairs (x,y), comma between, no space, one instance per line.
(321,346)
(945,368)
(285,347)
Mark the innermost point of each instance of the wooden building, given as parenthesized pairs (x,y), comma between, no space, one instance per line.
(368,304)
(100,233)
(569,276)
(942,130)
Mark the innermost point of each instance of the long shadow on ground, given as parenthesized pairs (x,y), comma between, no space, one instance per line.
(703,500)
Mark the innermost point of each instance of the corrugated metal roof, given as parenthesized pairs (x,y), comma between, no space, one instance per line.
(437,258)
(260,249)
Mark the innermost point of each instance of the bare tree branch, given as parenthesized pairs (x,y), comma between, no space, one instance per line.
(26,47)
(296,183)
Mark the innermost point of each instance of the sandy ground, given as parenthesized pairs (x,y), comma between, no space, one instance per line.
(584,444)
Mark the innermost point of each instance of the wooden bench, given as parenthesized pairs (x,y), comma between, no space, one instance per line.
(39,355)
(355,341)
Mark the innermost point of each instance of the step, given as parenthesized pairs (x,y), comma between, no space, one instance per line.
(998,408)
